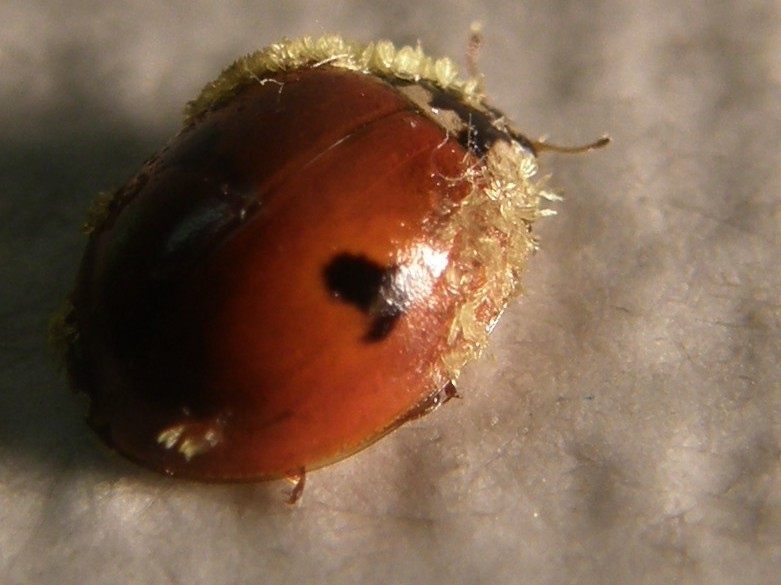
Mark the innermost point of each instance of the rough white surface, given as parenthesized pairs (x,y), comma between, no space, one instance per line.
(624,427)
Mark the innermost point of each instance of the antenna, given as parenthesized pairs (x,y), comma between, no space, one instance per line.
(541,145)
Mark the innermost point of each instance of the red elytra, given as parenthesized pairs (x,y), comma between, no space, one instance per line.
(305,266)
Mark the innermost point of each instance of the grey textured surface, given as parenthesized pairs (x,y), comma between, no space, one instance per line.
(624,426)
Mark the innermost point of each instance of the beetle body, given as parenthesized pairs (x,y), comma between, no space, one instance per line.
(307,264)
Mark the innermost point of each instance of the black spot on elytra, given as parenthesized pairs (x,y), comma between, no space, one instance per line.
(369,286)
(355,280)
(382,322)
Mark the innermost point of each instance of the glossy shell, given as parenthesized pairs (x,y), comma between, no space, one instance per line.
(304,267)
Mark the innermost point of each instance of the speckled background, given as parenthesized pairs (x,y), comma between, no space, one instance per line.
(624,426)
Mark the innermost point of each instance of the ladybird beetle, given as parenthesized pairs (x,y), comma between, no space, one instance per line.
(307,264)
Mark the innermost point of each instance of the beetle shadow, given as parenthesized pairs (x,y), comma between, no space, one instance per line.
(54,158)
(46,187)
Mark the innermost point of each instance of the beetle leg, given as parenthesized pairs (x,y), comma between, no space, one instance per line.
(433,402)
(298,479)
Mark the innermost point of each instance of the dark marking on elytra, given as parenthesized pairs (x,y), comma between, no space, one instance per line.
(383,320)
(368,286)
